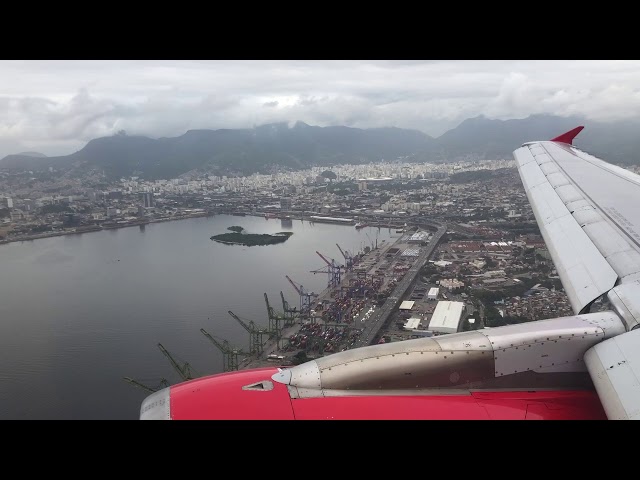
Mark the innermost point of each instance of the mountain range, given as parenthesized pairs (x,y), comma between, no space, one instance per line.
(268,147)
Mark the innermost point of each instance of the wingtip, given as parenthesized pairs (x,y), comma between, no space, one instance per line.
(568,136)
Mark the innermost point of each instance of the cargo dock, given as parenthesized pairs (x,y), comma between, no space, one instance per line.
(353,310)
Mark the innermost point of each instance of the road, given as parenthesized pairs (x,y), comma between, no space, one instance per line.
(379,317)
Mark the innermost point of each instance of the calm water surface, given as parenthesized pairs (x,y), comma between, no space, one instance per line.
(80,312)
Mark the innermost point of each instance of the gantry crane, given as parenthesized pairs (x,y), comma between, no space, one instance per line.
(163,384)
(289,313)
(305,297)
(372,245)
(257,336)
(348,259)
(230,355)
(276,321)
(185,371)
(334,270)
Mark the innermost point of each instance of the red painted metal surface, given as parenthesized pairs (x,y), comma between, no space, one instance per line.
(453,407)
(221,397)
(543,405)
(568,136)
(547,405)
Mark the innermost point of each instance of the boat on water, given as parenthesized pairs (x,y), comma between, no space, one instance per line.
(360,225)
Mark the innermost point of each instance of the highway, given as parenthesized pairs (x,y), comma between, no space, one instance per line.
(379,317)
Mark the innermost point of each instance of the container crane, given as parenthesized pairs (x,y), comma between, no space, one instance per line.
(348,259)
(305,297)
(372,245)
(334,270)
(230,355)
(185,371)
(257,336)
(289,313)
(276,321)
(163,384)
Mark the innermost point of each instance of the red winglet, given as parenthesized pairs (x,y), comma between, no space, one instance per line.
(569,136)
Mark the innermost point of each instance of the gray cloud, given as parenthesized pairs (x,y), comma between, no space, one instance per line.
(57,106)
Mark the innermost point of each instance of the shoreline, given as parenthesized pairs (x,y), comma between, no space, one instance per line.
(100,228)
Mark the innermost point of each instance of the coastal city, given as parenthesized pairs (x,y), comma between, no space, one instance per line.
(319,239)
(468,253)
(39,204)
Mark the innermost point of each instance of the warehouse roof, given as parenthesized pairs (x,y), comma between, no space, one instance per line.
(446,317)
(407,305)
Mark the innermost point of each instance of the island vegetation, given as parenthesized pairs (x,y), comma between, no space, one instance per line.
(240,237)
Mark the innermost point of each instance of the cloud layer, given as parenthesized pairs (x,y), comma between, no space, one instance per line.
(55,107)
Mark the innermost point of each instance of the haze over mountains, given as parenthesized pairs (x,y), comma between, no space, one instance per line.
(260,149)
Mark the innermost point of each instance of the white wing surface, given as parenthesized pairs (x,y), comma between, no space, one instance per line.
(588,212)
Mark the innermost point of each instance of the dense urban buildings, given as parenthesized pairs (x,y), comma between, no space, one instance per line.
(469,253)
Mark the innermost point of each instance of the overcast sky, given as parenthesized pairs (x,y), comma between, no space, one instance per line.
(55,107)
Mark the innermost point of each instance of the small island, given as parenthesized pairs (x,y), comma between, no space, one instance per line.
(238,237)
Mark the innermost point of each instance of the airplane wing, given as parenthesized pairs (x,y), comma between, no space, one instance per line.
(588,213)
